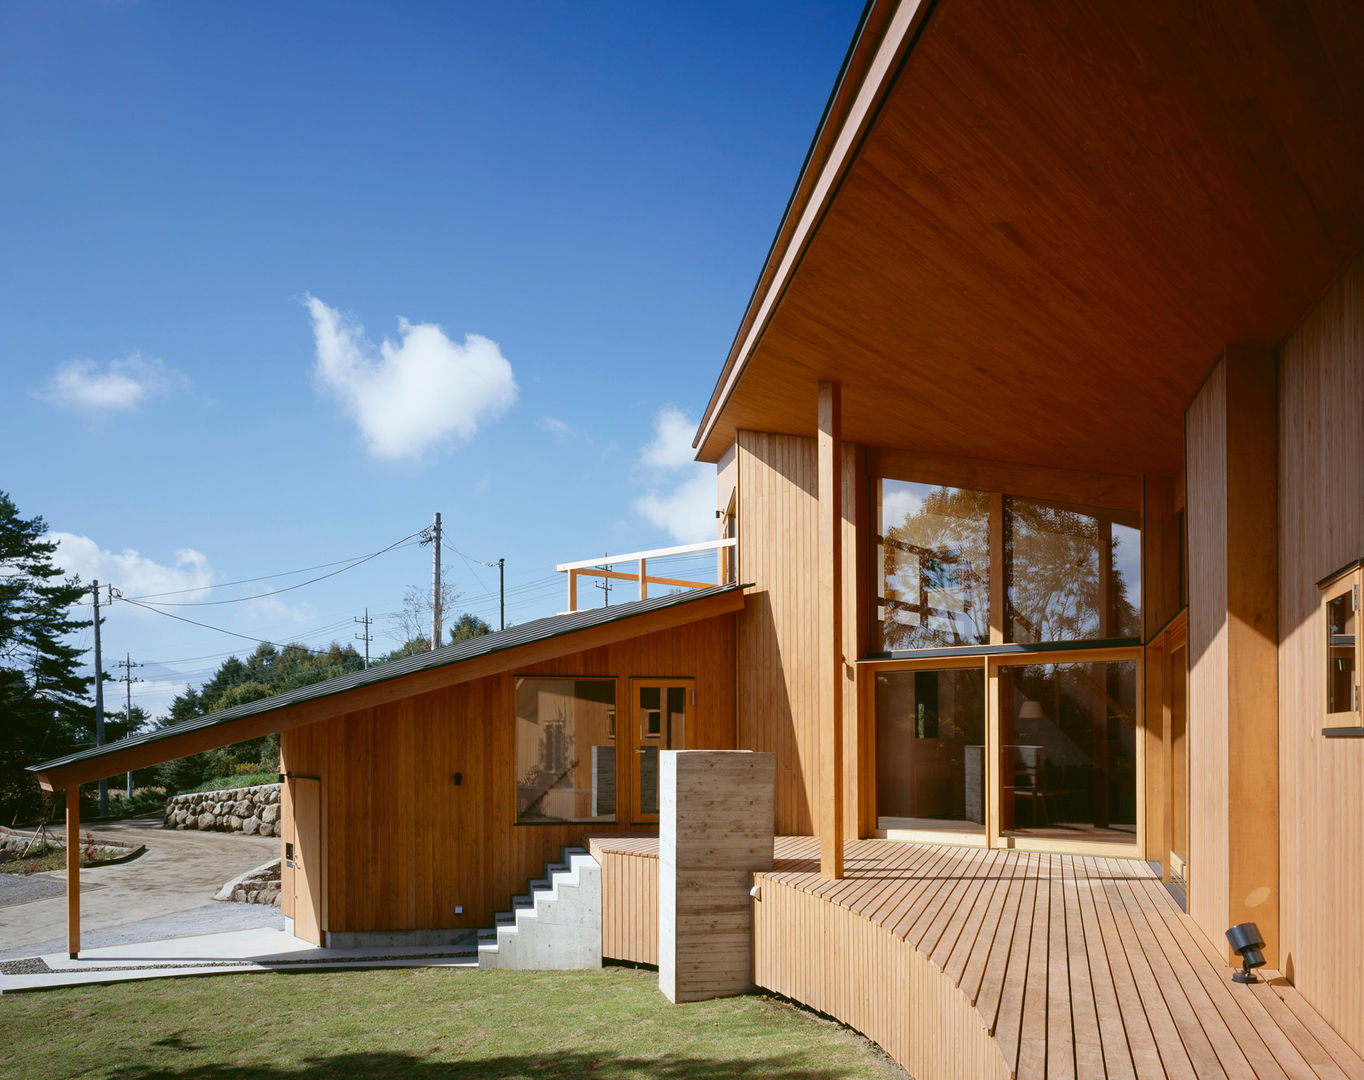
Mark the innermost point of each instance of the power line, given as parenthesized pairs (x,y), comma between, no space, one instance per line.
(263,577)
(206,626)
(287,588)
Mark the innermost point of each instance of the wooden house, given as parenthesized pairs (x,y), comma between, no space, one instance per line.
(1042,439)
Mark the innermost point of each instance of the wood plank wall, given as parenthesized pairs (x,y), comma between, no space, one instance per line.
(1321,527)
(405,844)
(1206,443)
(777,632)
(629,899)
(871,980)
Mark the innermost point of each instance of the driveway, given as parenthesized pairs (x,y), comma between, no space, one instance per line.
(178,875)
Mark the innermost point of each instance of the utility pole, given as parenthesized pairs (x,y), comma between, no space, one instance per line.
(502,593)
(99,714)
(365,636)
(127,678)
(605,585)
(435,587)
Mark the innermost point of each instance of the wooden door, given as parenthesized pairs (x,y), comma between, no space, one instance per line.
(306,863)
(659,717)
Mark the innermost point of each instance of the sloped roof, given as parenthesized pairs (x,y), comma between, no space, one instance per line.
(565,629)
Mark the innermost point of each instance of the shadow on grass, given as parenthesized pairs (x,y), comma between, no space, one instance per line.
(531,1067)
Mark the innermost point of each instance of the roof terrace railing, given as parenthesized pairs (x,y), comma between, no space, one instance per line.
(601,568)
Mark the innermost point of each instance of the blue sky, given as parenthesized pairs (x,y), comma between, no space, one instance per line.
(280,281)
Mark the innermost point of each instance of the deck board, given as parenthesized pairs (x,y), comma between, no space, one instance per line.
(1047,967)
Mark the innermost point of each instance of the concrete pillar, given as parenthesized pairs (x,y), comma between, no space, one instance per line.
(715,830)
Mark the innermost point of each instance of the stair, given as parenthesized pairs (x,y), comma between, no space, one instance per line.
(555,925)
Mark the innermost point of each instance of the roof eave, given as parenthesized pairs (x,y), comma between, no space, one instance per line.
(883,40)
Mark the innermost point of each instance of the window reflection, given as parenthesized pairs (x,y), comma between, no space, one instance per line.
(933,566)
(1068,746)
(1070,573)
(930,750)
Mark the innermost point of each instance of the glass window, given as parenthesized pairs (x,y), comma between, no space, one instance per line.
(930,749)
(933,566)
(1341,631)
(565,750)
(1068,748)
(1070,573)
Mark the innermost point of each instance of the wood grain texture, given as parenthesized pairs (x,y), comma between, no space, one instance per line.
(405,844)
(831,660)
(1208,662)
(629,885)
(777,656)
(1233,635)
(1063,215)
(1321,527)
(971,963)
(715,832)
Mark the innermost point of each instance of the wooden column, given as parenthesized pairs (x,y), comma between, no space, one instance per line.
(830,654)
(73,870)
(1253,643)
(1233,721)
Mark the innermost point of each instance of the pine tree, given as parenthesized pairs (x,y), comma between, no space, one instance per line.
(43,711)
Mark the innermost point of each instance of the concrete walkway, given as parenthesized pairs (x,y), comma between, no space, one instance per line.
(180,872)
(261,949)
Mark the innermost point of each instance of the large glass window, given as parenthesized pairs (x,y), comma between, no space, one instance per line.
(930,749)
(1070,573)
(1068,749)
(933,566)
(565,750)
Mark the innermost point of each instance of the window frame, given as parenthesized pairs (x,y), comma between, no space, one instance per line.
(1347,581)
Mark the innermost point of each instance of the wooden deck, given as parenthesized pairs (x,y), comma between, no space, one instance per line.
(969,962)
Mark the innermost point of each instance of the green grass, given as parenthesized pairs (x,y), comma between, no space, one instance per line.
(422,1023)
(222,783)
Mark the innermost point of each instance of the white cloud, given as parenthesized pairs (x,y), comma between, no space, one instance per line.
(120,385)
(671,448)
(681,499)
(416,394)
(130,571)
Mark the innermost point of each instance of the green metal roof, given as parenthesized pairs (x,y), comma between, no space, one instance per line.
(513,637)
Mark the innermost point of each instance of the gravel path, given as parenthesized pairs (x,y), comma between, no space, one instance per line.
(21,888)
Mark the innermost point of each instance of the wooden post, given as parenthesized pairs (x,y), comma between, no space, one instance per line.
(643,582)
(830,654)
(73,870)
(573,590)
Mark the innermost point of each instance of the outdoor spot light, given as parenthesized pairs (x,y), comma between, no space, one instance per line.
(1246,941)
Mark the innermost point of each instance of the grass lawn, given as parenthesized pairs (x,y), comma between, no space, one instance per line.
(423,1023)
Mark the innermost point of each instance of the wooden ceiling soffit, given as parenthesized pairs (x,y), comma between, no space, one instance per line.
(381,693)
(1059,216)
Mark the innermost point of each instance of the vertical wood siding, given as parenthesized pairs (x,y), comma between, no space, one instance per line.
(405,844)
(1206,436)
(629,898)
(777,632)
(1321,527)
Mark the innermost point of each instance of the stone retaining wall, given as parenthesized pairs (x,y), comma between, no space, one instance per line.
(253,810)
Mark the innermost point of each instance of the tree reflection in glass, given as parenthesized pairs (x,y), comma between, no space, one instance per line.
(1070,573)
(933,566)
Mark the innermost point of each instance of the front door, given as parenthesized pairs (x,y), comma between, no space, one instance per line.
(660,708)
(305,857)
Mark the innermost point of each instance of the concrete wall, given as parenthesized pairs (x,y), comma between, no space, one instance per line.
(715,830)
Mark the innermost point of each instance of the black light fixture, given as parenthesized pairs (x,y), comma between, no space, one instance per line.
(1246,941)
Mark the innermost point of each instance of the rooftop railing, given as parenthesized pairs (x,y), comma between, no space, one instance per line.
(601,568)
